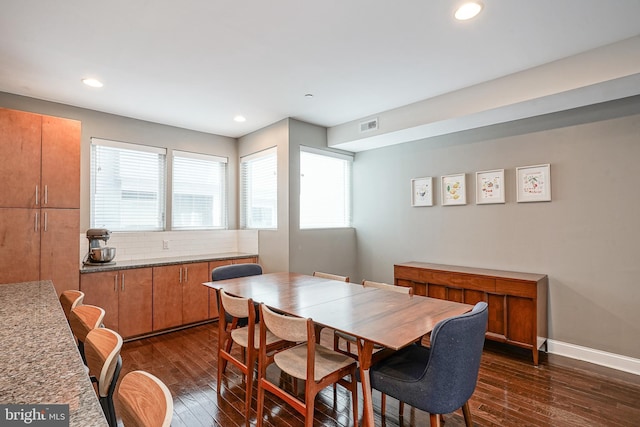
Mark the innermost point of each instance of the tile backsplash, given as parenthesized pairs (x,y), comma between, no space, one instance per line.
(149,245)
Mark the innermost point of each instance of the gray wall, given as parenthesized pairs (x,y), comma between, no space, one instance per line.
(585,239)
(108,126)
(330,250)
(274,244)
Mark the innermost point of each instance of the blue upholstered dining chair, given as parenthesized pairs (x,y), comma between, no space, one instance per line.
(233,271)
(442,378)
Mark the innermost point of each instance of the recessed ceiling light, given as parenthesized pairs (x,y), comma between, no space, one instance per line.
(239,119)
(468,10)
(308,95)
(92,82)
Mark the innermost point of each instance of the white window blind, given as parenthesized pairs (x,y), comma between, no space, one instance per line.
(325,189)
(259,190)
(127,186)
(199,199)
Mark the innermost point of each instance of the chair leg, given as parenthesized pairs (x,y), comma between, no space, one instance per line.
(434,420)
(400,410)
(250,362)
(383,405)
(260,403)
(467,414)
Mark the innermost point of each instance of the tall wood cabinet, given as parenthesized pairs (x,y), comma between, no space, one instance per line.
(39,199)
(517,301)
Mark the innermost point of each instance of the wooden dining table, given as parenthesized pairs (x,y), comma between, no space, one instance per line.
(374,316)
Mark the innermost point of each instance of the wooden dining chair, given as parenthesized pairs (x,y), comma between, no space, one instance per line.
(69,300)
(145,401)
(316,365)
(83,319)
(331,276)
(247,337)
(102,351)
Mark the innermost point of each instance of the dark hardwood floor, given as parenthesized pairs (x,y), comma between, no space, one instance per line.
(510,390)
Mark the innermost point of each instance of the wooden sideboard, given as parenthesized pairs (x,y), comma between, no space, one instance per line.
(517,301)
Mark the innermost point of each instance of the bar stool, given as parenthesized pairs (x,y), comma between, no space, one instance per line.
(83,319)
(102,351)
(144,401)
(69,300)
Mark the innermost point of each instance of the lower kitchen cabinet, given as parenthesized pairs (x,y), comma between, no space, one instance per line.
(179,298)
(126,297)
(141,301)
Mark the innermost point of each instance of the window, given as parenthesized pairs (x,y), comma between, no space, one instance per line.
(325,189)
(127,186)
(259,189)
(199,198)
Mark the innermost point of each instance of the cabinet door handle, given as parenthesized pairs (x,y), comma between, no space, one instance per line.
(186,274)
(36,195)
(180,274)
(35,223)
(122,283)
(115,283)
(46,218)
(46,195)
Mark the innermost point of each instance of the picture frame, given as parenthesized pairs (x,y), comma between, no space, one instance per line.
(490,187)
(533,183)
(453,189)
(422,191)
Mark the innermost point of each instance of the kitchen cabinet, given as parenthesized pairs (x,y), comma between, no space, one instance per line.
(517,301)
(39,199)
(213,297)
(125,296)
(179,298)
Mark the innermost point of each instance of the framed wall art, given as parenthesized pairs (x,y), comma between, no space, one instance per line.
(453,188)
(490,187)
(533,183)
(422,191)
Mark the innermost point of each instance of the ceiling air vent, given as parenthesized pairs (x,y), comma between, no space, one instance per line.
(369,125)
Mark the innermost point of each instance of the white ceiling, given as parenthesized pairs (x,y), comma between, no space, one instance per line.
(197,63)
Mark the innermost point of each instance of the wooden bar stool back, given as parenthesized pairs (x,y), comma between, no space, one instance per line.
(145,401)
(69,300)
(83,319)
(102,351)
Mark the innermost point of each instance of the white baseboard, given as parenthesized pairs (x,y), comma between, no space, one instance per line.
(586,354)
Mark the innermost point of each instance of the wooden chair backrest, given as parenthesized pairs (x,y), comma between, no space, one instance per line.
(145,401)
(102,348)
(387,287)
(69,300)
(84,318)
(331,276)
(235,306)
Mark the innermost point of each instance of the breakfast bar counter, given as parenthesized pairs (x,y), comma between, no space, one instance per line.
(39,360)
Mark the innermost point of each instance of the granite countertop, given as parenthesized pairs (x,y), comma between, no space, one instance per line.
(39,360)
(155,262)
